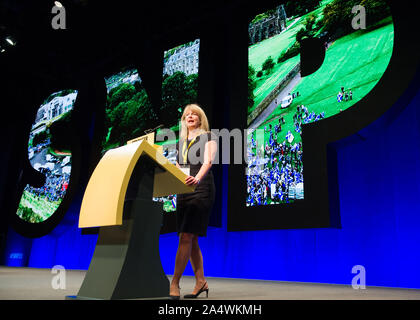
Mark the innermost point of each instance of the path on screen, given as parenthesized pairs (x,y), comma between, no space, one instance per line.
(273,105)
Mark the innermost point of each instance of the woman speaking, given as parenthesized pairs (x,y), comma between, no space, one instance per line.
(196,150)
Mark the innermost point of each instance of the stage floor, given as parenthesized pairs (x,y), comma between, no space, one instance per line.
(37,284)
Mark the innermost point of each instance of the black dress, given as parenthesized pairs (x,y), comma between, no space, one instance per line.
(193,209)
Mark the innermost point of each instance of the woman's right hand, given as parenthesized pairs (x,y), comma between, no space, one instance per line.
(190,180)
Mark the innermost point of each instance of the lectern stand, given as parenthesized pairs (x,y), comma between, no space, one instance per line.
(126,262)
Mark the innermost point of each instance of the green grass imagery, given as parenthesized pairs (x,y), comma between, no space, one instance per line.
(35,209)
(274,47)
(271,47)
(356,61)
(267,83)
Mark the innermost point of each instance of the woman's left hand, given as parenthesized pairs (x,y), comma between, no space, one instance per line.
(190,180)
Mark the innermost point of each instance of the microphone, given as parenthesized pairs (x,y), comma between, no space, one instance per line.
(147,131)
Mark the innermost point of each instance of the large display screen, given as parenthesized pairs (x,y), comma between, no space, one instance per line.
(49,153)
(179,88)
(129,111)
(281,102)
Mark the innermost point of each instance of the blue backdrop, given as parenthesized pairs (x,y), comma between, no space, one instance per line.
(380,214)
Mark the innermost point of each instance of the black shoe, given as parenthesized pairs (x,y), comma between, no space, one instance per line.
(193,296)
(175,297)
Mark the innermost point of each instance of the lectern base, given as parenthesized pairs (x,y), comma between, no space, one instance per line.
(126,262)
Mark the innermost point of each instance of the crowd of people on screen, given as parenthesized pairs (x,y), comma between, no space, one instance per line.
(54,188)
(275,171)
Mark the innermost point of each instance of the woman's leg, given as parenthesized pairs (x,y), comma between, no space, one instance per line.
(182,256)
(196,260)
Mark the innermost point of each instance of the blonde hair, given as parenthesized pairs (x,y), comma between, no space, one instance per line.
(204,123)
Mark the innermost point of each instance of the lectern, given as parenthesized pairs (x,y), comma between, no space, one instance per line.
(118,199)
